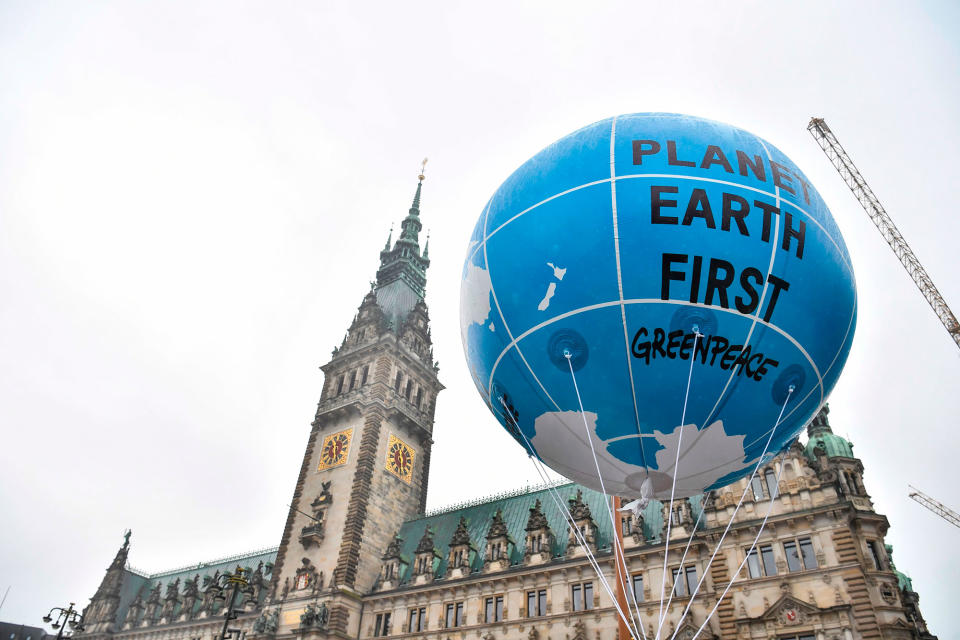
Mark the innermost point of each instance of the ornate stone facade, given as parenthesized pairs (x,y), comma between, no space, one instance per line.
(359,559)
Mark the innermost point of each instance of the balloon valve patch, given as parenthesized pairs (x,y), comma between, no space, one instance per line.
(787,383)
(567,349)
(694,320)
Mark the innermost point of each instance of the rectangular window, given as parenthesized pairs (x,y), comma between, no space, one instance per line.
(769,564)
(419,397)
(626,525)
(684,580)
(382,626)
(771,484)
(793,557)
(536,603)
(582,596)
(493,609)
(340,385)
(806,554)
(353,381)
(800,555)
(418,620)
(454,617)
(753,564)
(363,377)
(396,383)
(757,488)
(875,554)
(636,587)
(409,389)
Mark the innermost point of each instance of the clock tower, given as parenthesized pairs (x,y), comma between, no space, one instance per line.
(367,459)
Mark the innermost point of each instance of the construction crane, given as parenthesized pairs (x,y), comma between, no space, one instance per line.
(938,508)
(861,190)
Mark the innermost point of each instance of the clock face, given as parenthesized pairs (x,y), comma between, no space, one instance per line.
(400,457)
(335,449)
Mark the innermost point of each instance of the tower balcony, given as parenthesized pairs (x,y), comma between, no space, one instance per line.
(311,534)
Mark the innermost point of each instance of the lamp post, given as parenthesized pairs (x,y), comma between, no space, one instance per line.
(235,580)
(68,616)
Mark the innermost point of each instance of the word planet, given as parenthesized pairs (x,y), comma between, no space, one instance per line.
(679,278)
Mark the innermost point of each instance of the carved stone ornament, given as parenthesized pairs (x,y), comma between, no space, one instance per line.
(324,498)
(537,520)
(790,615)
(315,616)
(268,622)
(534,634)
(426,542)
(393,549)
(579,509)
(498,528)
(579,631)
(460,536)
(308,577)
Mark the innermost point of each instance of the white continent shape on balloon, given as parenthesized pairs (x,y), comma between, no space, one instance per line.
(709,453)
(475,304)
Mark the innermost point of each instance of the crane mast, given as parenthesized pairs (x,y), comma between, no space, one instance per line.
(938,508)
(861,190)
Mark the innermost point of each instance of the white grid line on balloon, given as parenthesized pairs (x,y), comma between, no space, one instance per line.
(763,294)
(506,327)
(638,176)
(623,311)
(514,343)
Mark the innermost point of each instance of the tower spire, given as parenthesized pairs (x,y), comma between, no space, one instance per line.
(386,247)
(820,424)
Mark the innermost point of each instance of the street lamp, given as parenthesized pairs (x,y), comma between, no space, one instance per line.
(68,616)
(236,580)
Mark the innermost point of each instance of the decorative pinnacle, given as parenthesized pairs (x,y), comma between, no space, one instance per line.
(426,247)
(386,247)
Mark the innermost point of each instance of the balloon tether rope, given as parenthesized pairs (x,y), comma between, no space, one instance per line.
(673,486)
(752,546)
(606,499)
(733,517)
(568,517)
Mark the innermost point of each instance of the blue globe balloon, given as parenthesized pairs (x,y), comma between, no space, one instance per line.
(637,253)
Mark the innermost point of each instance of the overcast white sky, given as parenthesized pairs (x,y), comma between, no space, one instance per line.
(193,196)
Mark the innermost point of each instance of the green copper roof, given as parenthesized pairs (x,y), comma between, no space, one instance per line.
(402,276)
(516,512)
(903,580)
(821,434)
(835,446)
(136,582)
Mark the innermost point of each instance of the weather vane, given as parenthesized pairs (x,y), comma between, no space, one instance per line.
(422,167)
